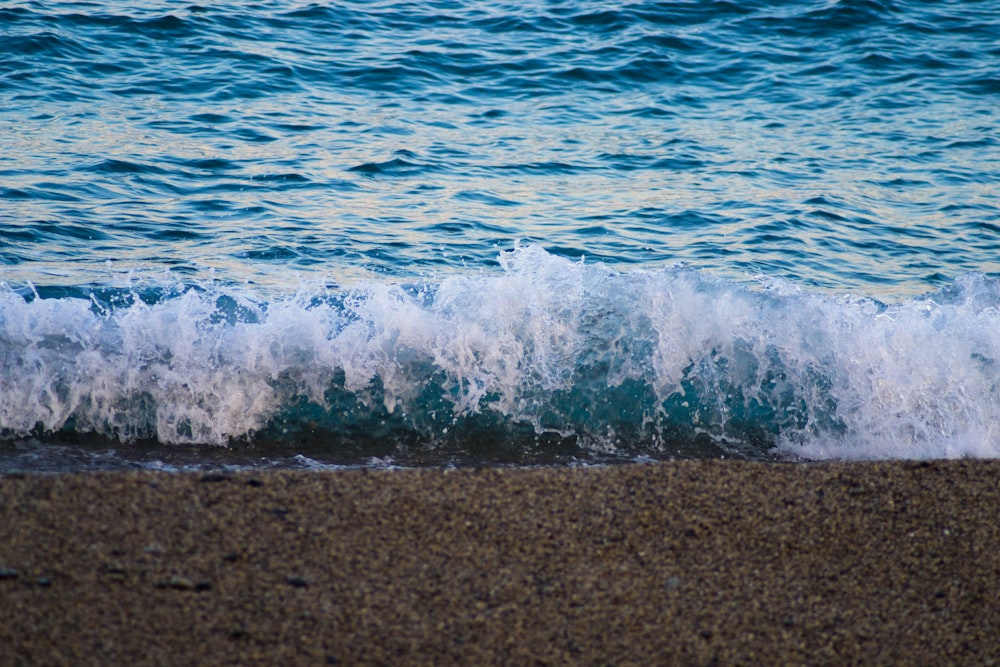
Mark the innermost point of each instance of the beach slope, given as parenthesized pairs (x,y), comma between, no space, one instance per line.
(711,562)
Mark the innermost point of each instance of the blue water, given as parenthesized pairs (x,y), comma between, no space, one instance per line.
(287,233)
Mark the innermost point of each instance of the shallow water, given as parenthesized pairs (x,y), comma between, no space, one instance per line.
(528,232)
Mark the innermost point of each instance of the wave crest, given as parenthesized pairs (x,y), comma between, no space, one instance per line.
(546,351)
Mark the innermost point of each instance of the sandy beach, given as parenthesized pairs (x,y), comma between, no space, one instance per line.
(711,562)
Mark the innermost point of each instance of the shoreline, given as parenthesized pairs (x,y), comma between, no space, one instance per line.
(691,562)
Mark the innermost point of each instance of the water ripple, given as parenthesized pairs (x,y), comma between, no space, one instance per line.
(845,145)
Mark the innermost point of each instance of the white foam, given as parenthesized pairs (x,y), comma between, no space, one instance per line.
(835,377)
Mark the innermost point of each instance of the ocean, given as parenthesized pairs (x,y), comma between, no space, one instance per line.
(453,232)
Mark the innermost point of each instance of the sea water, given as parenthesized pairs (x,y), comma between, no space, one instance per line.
(435,232)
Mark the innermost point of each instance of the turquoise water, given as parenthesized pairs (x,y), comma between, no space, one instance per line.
(432,232)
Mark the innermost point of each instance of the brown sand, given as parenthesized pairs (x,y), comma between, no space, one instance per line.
(678,563)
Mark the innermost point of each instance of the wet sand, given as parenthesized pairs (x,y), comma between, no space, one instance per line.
(676,563)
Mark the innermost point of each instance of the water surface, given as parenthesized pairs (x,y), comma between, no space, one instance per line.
(536,231)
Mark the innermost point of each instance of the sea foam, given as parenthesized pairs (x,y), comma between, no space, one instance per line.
(645,362)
